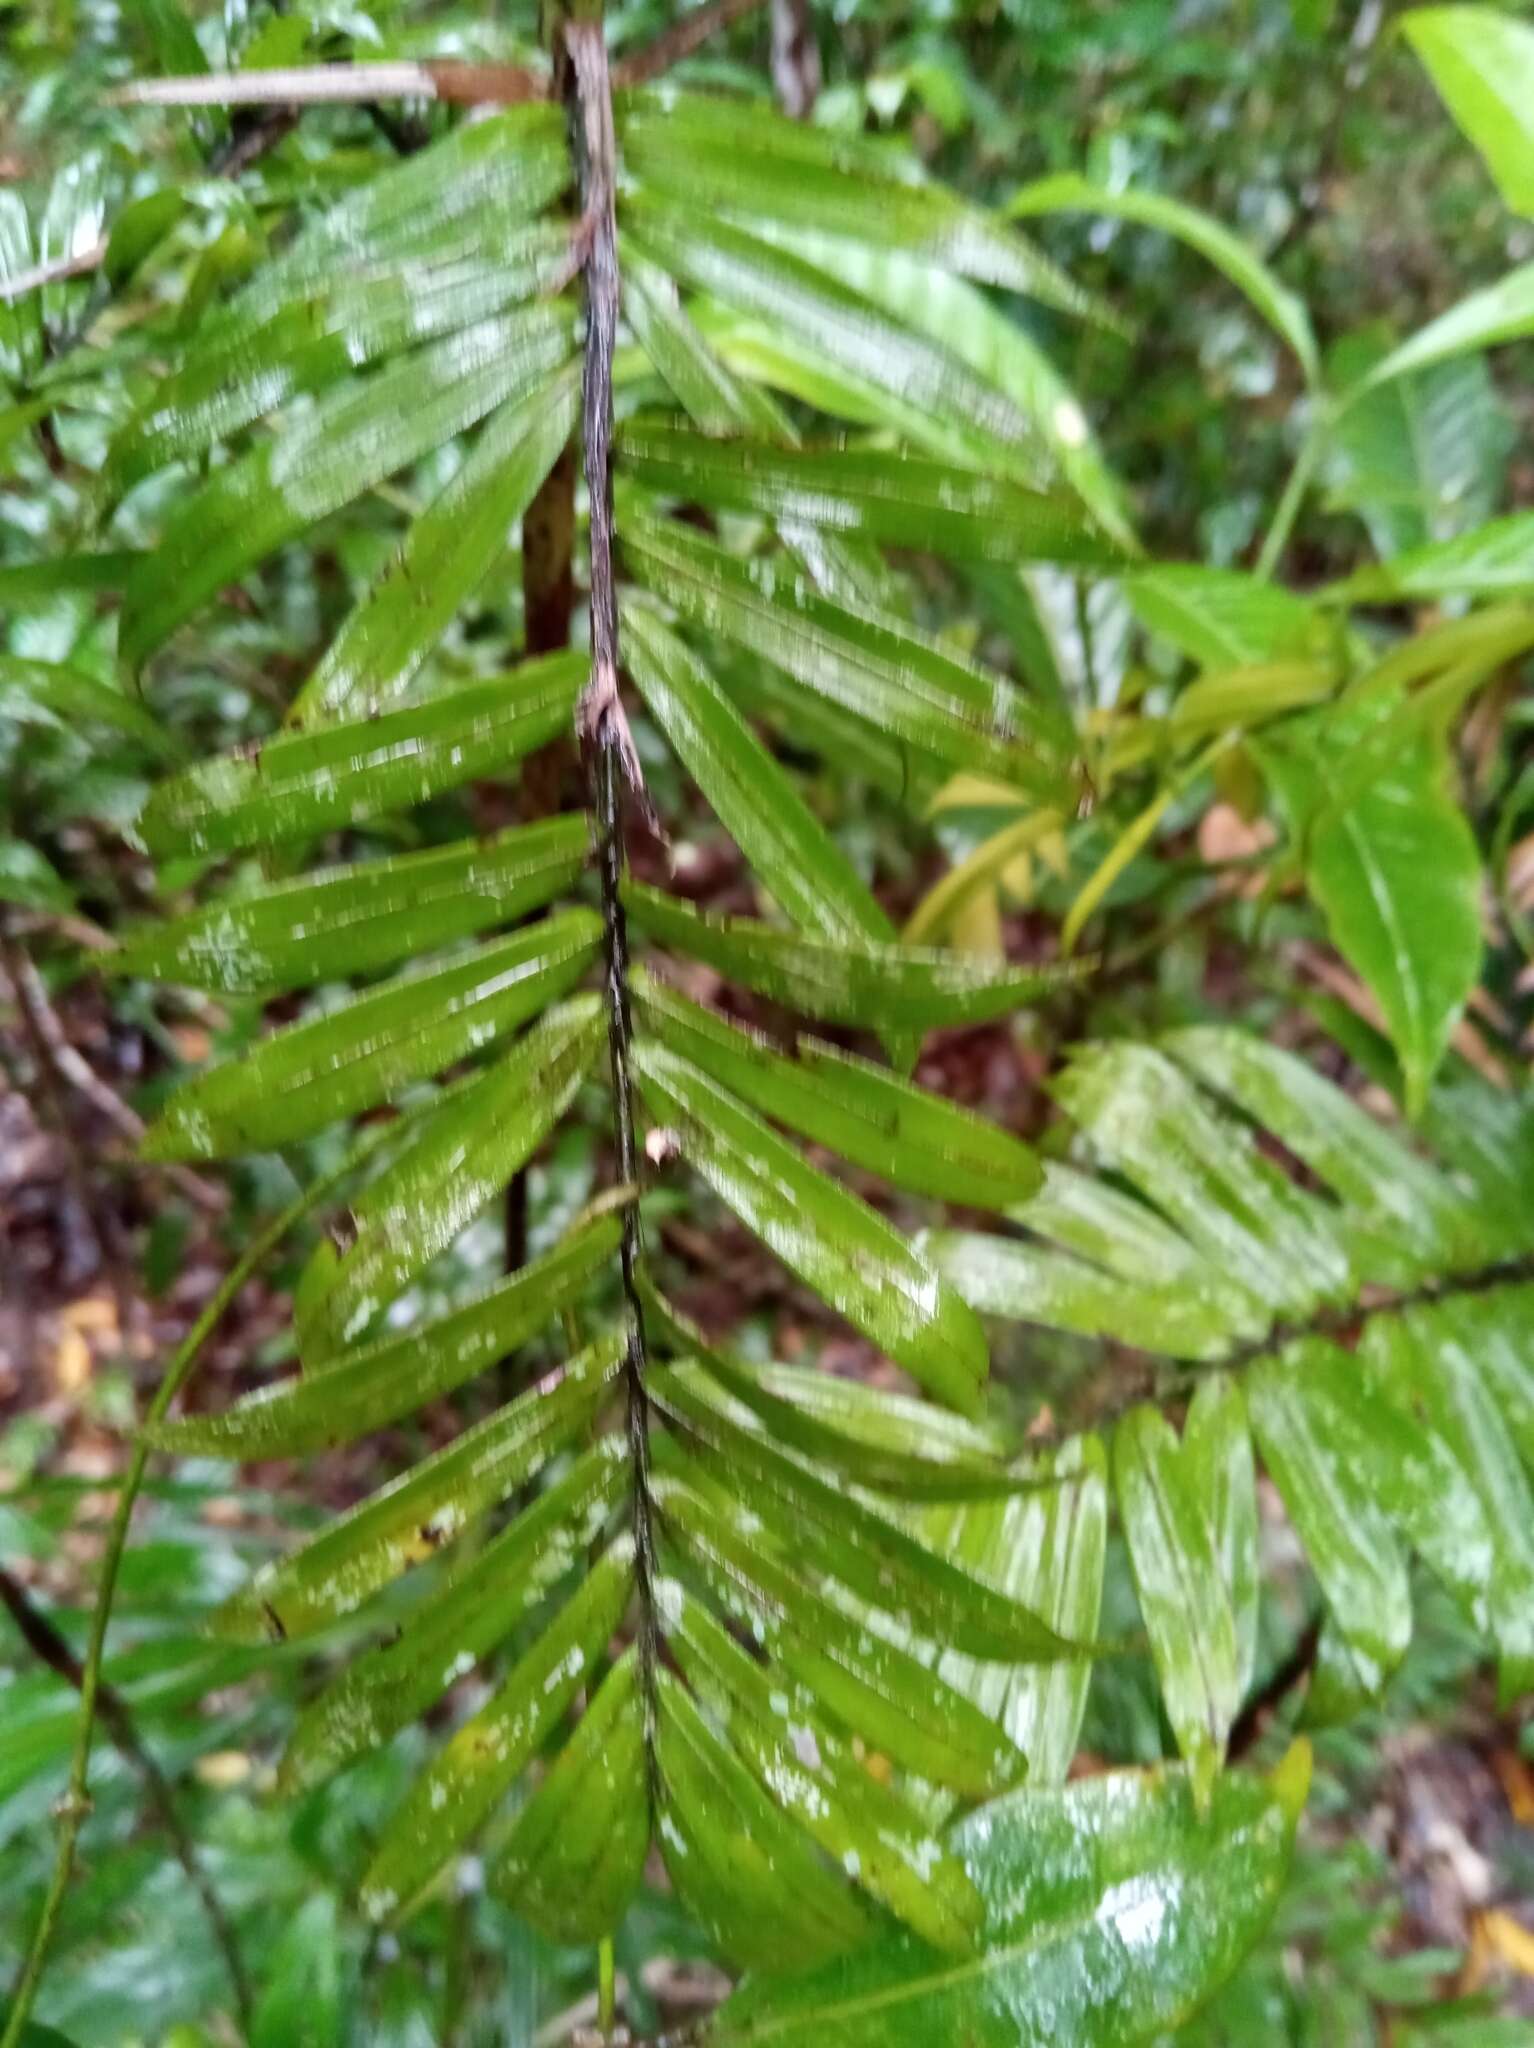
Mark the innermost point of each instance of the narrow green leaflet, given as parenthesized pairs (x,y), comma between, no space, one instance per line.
(898,499)
(706,389)
(835,1243)
(414,1516)
(1346,1534)
(903,684)
(57,695)
(458,1156)
(1113,1907)
(484,1759)
(353,920)
(1283,311)
(464,1621)
(334,1065)
(1498,313)
(865,1113)
(357,435)
(1220,618)
(750,1878)
(1482,61)
(1219,1473)
(1493,560)
(304,783)
(445,555)
(880,987)
(790,850)
(366,1389)
(576,1854)
(1183,1596)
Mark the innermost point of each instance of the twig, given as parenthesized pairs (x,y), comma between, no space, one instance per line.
(680,41)
(796,74)
(333,85)
(80,264)
(44,1640)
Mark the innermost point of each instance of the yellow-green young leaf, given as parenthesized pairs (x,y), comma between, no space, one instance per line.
(752,1880)
(866,1114)
(305,783)
(356,436)
(576,1854)
(1113,1907)
(354,920)
(1219,1472)
(1231,256)
(471,1615)
(1183,1596)
(1482,61)
(330,1067)
(1498,313)
(484,1759)
(413,1517)
(836,1244)
(1493,560)
(880,987)
(445,555)
(1220,618)
(1292,1400)
(819,1782)
(786,845)
(460,1154)
(364,1390)
(57,695)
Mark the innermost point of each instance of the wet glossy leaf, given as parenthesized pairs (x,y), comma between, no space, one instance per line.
(862,1112)
(304,783)
(1184,1598)
(881,987)
(478,1608)
(1493,560)
(415,1515)
(1112,1909)
(365,1389)
(706,389)
(1282,310)
(1497,1331)
(356,436)
(329,1067)
(576,1854)
(457,1157)
(353,920)
(1220,618)
(1482,61)
(834,1242)
(487,1755)
(899,682)
(787,847)
(1219,1474)
(64,698)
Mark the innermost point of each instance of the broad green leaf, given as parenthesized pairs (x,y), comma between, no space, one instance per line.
(445,555)
(303,783)
(1292,1401)
(29,879)
(1220,618)
(364,1390)
(1112,1909)
(357,435)
(862,1112)
(1219,1475)
(750,1878)
(882,1844)
(827,1529)
(1482,61)
(27,583)
(414,1516)
(1493,560)
(898,499)
(353,920)
(1183,1596)
(736,158)
(458,1156)
(576,1854)
(300,2002)
(64,698)
(900,682)
(1232,257)
(1047,1549)
(1497,1331)
(484,1759)
(835,1243)
(795,857)
(476,1611)
(332,1066)
(1394,867)
(1498,313)
(881,987)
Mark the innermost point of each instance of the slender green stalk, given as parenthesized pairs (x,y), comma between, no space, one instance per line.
(1288,508)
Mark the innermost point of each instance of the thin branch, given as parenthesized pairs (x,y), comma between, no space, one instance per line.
(332,85)
(680,41)
(80,264)
(45,1642)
